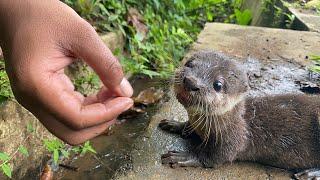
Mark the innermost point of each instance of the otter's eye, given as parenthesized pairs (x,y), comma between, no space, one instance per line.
(217,85)
(189,64)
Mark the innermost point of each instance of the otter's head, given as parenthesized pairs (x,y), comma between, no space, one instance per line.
(211,82)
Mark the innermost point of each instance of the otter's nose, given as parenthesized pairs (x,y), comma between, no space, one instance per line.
(190,83)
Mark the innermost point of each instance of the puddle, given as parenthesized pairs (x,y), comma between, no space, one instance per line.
(113,151)
(274,77)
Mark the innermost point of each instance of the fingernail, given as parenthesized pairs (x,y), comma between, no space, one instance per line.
(126,88)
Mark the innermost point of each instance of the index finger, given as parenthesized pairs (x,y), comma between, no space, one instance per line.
(87,44)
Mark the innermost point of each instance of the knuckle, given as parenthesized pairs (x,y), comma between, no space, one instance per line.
(114,67)
(86,30)
(76,125)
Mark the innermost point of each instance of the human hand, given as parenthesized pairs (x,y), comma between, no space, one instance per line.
(39,39)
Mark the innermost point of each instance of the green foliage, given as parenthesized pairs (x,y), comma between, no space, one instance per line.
(30,128)
(87,80)
(5,158)
(55,147)
(172,26)
(23,150)
(6,169)
(83,149)
(87,148)
(58,148)
(244,17)
(5,89)
(5,165)
(277,14)
(316,66)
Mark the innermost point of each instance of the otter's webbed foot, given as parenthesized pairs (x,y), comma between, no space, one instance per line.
(172,126)
(311,174)
(180,159)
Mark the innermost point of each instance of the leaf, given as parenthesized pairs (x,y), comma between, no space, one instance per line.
(209,16)
(103,9)
(92,150)
(113,17)
(65,153)
(243,18)
(52,145)
(315,57)
(30,128)
(3,98)
(76,149)
(87,143)
(55,156)
(150,73)
(23,150)
(87,147)
(4,156)
(6,169)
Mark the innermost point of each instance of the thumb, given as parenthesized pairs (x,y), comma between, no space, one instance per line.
(88,46)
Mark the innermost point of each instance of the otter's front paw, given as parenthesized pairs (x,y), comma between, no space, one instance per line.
(180,159)
(172,126)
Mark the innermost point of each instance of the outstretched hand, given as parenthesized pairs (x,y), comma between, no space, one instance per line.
(39,40)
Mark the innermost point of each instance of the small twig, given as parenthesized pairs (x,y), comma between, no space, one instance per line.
(72,168)
(101,162)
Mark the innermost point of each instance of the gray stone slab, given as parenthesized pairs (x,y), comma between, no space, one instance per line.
(312,21)
(265,44)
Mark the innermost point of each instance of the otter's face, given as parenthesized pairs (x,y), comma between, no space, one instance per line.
(211,82)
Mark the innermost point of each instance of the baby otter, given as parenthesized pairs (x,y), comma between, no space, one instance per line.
(281,131)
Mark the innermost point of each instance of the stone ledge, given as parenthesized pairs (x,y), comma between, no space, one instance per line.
(312,22)
(265,44)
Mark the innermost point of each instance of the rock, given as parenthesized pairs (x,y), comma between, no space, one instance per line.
(113,40)
(13,133)
(311,21)
(241,40)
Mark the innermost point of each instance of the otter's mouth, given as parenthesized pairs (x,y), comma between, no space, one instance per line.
(184,96)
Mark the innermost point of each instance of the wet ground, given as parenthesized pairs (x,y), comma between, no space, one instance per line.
(274,59)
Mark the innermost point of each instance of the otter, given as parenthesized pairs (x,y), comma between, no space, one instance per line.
(227,125)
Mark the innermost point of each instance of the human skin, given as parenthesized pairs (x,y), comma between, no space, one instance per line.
(39,39)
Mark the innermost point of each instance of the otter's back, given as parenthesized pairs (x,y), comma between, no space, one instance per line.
(284,130)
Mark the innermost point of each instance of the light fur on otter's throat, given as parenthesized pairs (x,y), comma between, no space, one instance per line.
(200,117)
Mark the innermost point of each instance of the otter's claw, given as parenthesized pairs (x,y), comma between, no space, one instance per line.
(180,159)
(172,126)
